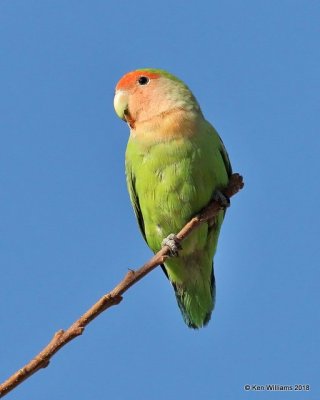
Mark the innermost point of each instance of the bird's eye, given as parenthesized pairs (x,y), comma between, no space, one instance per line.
(143,80)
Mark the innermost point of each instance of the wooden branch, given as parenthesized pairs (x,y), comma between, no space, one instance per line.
(61,338)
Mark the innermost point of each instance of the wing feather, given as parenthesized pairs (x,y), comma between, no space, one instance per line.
(225,158)
(131,181)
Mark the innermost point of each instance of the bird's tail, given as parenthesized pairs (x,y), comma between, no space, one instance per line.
(196,300)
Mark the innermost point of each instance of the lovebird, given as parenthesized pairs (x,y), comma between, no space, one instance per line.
(175,164)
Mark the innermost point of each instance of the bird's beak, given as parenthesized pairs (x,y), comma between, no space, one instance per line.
(120,103)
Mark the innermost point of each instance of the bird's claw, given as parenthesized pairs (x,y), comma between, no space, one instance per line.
(222,199)
(173,243)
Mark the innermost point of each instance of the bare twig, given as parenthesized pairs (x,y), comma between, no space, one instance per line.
(61,338)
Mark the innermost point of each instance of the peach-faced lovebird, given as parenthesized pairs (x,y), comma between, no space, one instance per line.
(175,164)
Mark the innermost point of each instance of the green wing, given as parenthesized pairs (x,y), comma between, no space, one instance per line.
(225,157)
(131,180)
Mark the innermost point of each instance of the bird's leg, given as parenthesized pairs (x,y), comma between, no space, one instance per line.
(222,199)
(173,243)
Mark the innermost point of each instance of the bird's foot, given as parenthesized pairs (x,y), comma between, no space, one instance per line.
(222,199)
(173,243)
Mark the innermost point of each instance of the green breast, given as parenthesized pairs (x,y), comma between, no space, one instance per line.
(173,181)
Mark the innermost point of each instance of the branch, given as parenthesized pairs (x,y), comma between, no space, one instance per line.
(61,338)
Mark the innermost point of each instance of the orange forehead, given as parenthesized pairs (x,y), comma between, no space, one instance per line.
(130,78)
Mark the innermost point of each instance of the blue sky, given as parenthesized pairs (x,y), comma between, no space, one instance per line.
(68,233)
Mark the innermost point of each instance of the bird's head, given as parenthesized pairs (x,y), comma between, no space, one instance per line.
(147,94)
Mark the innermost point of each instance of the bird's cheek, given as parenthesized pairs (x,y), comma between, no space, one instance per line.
(120,103)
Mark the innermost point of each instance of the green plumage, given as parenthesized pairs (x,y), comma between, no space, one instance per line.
(175,161)
(169,182)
